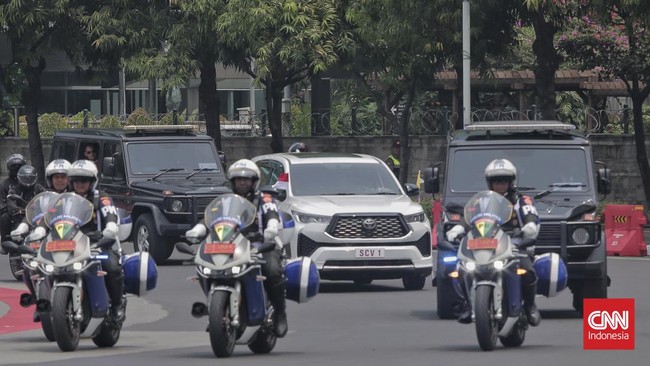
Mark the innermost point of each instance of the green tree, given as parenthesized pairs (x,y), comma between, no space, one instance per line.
(615,40)
(35,29)
(282,42)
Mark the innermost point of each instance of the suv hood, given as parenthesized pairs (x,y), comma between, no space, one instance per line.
(330,205)
(185,187)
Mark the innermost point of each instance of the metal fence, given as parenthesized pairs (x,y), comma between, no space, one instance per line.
(438,121)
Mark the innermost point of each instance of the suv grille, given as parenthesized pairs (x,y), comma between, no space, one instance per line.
(307,247)
(549,235)
(365,227)
(201,203)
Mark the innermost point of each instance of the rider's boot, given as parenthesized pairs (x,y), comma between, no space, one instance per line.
(532,314)
(280,326)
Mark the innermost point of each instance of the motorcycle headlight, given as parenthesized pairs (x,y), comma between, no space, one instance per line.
(498,265)
(418,217)
(470,266)
(49,268)
(77,266)
(207,271)
(310,218)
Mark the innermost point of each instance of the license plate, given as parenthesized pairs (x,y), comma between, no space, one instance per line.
(482,243)
(369,252)
(60,246)
(219,248)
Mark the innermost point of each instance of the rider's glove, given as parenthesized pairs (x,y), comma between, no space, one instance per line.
(38,233)
(21,230)
(196,233)
(454,232)
(530,230)
(110,231)
(271,231)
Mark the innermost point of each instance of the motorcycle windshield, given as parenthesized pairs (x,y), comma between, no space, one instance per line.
(486,212)
(68,213)
(38,206)
(227,214)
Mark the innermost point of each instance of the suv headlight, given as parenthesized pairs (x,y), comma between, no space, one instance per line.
(176,204)
(581,235)
(309,218)
(418,217)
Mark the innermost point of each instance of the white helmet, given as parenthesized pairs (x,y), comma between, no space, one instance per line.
(58,166)
(501,169)
(83,169)
(246,169)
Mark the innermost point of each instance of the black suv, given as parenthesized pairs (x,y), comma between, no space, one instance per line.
(164,176)
(554,165)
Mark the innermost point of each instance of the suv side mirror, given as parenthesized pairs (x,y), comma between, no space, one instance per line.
(432,179)
(604,182)
(108,167)
(222,158)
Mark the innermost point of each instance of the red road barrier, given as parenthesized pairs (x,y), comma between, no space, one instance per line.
(17,319)
(624,230)
(436,214)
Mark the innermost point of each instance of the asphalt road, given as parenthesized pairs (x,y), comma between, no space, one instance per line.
(380,324)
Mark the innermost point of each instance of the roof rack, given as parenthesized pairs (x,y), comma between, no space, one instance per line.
(159,128)
(512,126)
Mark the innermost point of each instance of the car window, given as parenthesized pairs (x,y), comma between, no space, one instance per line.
(64,150)
(270,170)
(342,179)
(540,168)
(89,150)
(152,158)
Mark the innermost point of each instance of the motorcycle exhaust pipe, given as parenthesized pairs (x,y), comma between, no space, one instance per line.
(43,306)
(26,300)
(199,309)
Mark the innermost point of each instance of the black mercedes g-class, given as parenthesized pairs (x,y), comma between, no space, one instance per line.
(164,176)
(554,165)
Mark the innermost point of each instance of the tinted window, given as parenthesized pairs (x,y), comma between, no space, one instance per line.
(270,171)
(64,150)
(152,158)
(342,179)
(538,168)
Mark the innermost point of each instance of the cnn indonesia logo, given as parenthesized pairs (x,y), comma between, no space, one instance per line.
(608,324)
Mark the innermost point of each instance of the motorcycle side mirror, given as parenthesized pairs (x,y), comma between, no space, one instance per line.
(185,248)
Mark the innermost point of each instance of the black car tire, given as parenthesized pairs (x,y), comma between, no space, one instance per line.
(589,289)
(147,239)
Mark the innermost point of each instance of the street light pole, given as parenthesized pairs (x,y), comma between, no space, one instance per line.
(466,67)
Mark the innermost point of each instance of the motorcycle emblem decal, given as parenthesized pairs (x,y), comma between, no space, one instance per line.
(222,231)
(63,228)
(484,226)
(369,224)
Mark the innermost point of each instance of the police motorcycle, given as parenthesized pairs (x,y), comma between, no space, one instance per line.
(37,283)
(489,266)
(229,271)
(79,304)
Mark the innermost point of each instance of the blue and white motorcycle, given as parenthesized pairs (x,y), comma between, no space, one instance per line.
(229,271)
(37,283)
(79,303)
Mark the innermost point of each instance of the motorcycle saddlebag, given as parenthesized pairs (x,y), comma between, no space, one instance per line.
(551,274)
(302,279)
(140,273)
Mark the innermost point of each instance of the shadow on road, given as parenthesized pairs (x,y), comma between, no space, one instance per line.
(560,314)
(340,287)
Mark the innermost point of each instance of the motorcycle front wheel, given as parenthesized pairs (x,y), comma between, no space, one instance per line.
(222,333)
(66,329)
(486,323)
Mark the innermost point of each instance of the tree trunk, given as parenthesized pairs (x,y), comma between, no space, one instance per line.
(639,140)
(30,98)
(548,62)
(209,99)
(274,113)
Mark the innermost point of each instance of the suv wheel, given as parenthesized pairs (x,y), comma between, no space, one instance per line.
(146,239)
(413,282)
(589,289)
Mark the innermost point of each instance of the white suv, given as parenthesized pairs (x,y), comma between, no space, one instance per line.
(351,216)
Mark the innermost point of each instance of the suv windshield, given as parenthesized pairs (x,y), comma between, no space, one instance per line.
(537,168)
(342,179)
(152,158)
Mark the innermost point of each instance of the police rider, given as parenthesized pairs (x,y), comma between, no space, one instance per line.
(14,163)
(56,175)
(244,176)
(501,177)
